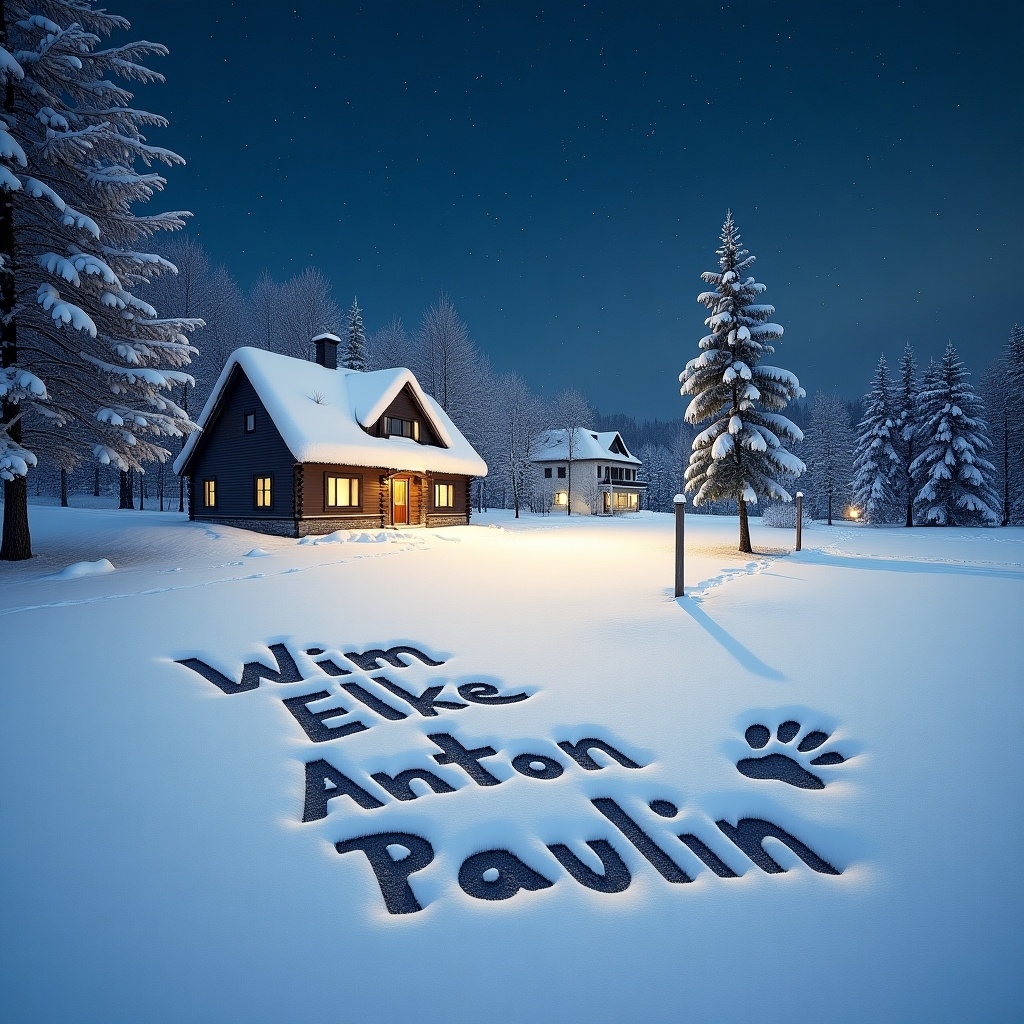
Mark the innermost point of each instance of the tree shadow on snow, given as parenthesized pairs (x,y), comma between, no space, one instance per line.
(746,657)
(910,566)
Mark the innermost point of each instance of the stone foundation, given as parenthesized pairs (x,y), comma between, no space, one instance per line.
(316,527)
(275,527)
(433,519)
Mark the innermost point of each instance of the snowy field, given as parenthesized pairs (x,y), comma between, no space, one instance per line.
(837,735)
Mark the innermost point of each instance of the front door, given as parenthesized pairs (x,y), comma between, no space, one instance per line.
(400,501)
(607,502)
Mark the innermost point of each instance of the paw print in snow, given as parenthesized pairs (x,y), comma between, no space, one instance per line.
(781,766)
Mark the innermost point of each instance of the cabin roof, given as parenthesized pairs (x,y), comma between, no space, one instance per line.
(553,446)
(323,415)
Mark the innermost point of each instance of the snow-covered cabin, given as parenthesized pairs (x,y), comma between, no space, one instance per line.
(601,479)
(293,447)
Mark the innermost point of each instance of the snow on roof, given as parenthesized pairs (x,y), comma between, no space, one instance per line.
(590,444)
(320,413)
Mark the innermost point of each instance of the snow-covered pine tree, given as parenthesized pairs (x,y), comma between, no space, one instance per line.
(828,453)
(84,360)
(906,400)
(740,455)
(876,461)
(953,479)
(355,354)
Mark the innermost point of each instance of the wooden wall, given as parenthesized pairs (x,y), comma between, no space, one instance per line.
(233,458)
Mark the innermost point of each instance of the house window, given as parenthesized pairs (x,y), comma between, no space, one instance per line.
(343,492)
(562,498)
(626,502)
(395,427)
(250,422)
(599,471)
(561,472)
(547,473)
(444,495)
(209,493)
(264,497)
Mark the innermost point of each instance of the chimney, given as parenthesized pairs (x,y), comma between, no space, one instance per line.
(327,350)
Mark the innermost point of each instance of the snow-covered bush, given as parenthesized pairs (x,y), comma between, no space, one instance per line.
(780,514)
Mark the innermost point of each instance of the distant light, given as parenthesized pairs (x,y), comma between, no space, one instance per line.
(853,513)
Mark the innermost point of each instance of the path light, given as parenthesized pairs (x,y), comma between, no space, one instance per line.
(799,518)
(679,502)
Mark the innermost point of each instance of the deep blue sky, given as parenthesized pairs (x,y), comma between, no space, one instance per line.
(562,170)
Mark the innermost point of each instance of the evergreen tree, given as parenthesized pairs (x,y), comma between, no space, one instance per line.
(1003,409)
(83,357)
(355,355)
(952,477)
(907,428)
(877,462)
(829,456)
(740,455)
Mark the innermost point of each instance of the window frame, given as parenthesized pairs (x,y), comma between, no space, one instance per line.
(209,482)
(256,478)
(246,416)
(350,477)
(450,484)
(414,428)
(561,472)
(547,472)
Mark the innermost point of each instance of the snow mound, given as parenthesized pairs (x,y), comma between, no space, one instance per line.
(257,553)
(78,569)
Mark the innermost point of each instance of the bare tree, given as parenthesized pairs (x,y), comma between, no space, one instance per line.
(518,420)
(448,361)
(263,312)
(572,412)
(308,309)
(390,346)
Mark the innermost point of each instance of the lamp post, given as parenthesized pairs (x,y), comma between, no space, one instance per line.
(679,503)
(799,517)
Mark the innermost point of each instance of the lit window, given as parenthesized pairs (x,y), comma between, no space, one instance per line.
(209,493)
(628,502)
(444,495)
(561,472)
(250,422)
(395,427)
(263,495)
(562,498)
(343,492)
(547,473)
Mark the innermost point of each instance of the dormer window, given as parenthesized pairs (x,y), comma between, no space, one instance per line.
(394,427)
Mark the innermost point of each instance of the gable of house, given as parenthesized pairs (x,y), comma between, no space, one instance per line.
(240,445)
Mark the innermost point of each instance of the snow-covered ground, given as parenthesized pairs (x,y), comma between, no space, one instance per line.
(156,865)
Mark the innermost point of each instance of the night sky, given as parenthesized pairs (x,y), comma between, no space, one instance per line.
(562,170)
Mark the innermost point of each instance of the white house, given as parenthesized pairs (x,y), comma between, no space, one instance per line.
(601,477)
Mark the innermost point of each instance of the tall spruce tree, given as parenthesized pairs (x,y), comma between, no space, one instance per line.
(740,454)
(876,463)
(81,354)
(952,477)
(355,354)
(907,427)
